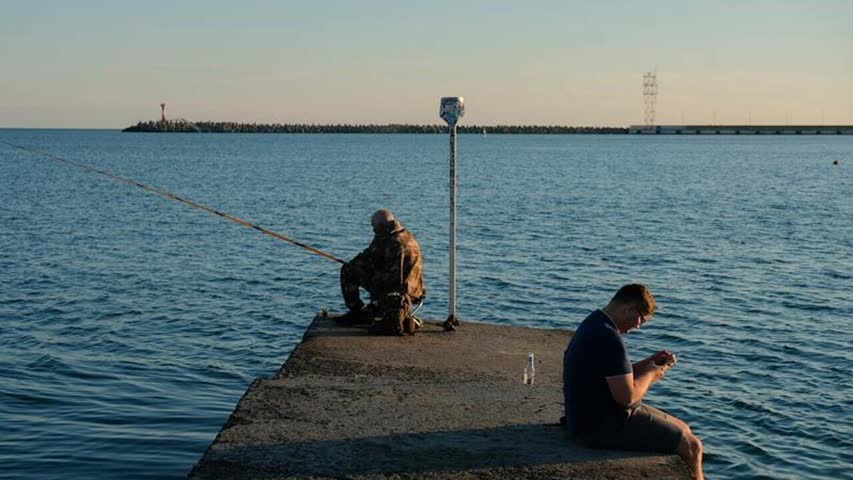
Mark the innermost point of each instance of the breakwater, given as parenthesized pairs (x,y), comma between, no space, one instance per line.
(185,126)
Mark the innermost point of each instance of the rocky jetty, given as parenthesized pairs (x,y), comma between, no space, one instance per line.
(186,126)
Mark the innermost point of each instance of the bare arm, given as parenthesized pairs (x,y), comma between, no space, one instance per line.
(629,389)
(661,357)
(640,367)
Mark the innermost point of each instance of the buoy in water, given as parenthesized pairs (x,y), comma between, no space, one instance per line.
(836,162)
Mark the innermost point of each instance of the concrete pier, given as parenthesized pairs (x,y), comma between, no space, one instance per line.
(434,406)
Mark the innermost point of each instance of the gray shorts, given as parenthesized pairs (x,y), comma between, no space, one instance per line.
(647,429)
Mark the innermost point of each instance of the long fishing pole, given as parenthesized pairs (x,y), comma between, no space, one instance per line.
(172,196)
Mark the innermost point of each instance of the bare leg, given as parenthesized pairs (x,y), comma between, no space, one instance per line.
(690,450)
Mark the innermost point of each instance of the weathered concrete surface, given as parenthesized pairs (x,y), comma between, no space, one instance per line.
(436,405)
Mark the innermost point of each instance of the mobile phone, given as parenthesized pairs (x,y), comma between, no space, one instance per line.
(668,360)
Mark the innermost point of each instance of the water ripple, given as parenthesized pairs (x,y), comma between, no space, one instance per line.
(131,326)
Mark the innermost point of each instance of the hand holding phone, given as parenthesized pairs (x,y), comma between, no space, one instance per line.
(665,359)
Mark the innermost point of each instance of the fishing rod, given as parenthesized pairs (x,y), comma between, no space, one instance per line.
(172,196)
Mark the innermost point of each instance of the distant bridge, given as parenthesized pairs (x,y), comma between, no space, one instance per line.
(742,129)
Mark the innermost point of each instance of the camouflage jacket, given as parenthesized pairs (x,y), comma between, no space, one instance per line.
(395,264)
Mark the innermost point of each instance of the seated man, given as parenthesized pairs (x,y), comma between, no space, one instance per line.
(604,391)
(391,270)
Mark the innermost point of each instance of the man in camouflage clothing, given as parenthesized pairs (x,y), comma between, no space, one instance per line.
(391,270)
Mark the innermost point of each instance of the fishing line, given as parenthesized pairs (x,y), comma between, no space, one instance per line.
(172,196)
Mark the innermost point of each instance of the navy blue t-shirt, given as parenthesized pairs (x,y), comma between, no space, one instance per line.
(596,351)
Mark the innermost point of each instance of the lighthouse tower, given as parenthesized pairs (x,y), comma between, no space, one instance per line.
(163,112)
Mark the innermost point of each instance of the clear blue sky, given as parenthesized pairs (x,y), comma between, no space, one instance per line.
(107,64)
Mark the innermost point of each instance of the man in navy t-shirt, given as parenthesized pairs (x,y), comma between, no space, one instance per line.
(603,390)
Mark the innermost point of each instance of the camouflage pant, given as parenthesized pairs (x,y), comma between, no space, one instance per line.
(390,310)
(353,276)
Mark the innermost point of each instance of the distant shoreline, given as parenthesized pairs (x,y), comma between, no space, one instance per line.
(185,126)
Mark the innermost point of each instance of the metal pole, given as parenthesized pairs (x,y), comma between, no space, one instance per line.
(451,110)
(452,314)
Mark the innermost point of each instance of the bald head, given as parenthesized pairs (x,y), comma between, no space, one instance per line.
(382,221)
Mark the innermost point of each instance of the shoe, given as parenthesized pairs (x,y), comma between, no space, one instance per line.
(353,317)
(381,327)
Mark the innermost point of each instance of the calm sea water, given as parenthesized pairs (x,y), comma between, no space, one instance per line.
(130,326)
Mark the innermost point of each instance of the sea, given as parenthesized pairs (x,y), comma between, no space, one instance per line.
(131,325)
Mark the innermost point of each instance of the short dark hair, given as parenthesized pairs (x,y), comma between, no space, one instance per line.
(637,295)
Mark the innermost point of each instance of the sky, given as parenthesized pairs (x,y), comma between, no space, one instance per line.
(109,64)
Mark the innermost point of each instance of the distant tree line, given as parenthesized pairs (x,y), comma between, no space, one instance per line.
(185,126)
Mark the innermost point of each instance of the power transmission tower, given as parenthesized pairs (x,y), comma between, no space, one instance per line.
(650,96)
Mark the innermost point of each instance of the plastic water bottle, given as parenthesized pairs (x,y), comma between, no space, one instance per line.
(529,370)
